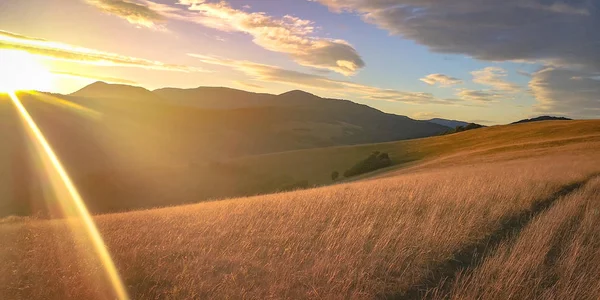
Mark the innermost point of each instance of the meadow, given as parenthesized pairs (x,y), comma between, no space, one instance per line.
(556,256)
(508,208)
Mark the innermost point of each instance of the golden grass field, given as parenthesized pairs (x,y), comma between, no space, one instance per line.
(554,257)
(508,212)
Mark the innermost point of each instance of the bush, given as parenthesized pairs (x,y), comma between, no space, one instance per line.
(375,161)
(469,126)
(335,175)
(472,126)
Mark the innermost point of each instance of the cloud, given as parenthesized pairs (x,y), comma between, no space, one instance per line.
(268,73)
(482,121)
(566,92)
(441,79)
(426,115)
(66,52)
(95,77)
(494,77)
(249,85)
(289,35)
(137,14)
(19,36)
(523,73)
(509,30)
(480,96)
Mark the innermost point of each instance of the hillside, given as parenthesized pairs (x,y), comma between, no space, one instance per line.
(473,213)
(118,142)
(448,123)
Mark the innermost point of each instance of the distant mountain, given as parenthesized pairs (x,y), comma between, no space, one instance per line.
(448,123)
(308,120)
(105,90)
(226,98)
(542,118)
(215,97)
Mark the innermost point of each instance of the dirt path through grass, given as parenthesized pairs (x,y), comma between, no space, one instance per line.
(467,258)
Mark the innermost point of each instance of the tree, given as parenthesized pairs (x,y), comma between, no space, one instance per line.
(375,161)
(335,175)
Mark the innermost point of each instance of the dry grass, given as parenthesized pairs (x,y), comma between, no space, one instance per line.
(556,257)
(316,165)
(358,240)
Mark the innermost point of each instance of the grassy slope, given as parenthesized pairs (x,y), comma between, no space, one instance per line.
(316,165)
(557,256)
(357,240)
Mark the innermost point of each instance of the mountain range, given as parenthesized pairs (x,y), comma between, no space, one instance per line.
(258,123)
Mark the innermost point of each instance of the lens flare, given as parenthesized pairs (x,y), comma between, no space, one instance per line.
(76,202)
(72,106)
(20,70)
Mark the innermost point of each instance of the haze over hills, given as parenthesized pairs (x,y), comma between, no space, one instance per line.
(296,119)
(216,98)
(118,141)
(448,123)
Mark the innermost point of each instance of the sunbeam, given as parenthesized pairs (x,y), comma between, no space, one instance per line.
(74,200)
(77,108)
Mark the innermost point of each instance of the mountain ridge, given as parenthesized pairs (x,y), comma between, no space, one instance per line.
(447,122)
(542,118)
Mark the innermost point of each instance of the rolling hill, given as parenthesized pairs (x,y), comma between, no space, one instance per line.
(448,123)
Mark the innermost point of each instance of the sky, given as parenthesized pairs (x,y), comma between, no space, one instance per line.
(483,61)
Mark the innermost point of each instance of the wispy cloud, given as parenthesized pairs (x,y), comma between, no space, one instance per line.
(95,77)
(135,13)
(66,52)
(479,96)
(495,78)
(268,73)
(426,115)
(483,121)
(249,85)
(566,92)
(441,79)
(289,35)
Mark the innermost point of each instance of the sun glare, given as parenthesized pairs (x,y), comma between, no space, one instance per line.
(72,200)
(20,70)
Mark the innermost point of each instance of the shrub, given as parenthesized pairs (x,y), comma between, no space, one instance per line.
(376,160)
(469,126)
(335,175)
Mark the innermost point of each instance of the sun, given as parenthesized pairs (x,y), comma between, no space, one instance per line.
(20,70)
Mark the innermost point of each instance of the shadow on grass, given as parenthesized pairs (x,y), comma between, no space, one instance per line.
(471,256)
